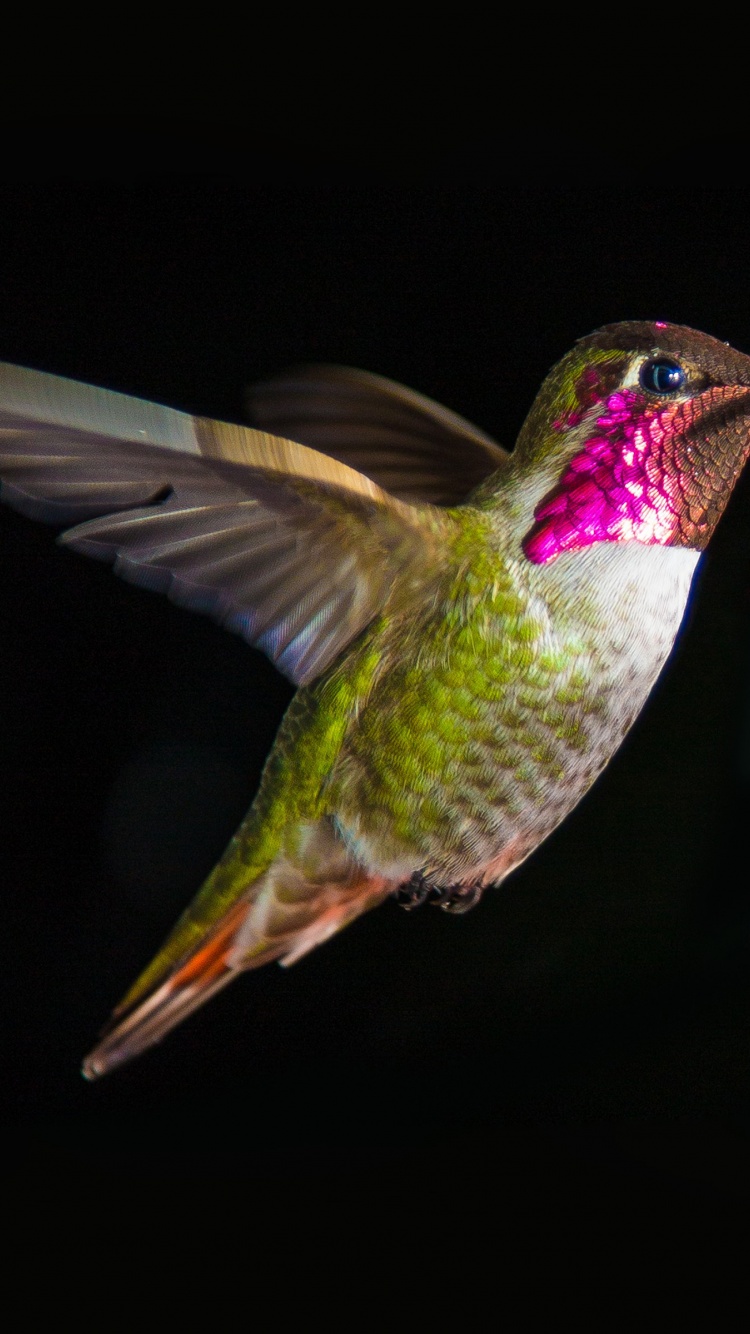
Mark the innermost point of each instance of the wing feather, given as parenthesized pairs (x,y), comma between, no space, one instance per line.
(292,549)
(414,448)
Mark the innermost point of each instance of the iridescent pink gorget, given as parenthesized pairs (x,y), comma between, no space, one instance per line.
(634,480)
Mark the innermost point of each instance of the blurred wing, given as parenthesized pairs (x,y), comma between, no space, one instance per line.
(291,549)
(411,446)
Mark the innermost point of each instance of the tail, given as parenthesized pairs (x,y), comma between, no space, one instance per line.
(283,915)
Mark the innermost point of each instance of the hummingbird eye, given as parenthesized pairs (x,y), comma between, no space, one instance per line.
(661,375)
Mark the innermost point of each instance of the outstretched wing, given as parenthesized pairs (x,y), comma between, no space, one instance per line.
(414,448)
(292,549)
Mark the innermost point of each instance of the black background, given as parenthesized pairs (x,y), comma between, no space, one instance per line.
(578,1045)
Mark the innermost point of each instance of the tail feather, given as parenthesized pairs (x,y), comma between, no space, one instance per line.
(137,1025)
(148,1023)
(281,920)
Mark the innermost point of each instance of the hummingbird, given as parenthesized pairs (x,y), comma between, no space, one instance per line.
(471,631)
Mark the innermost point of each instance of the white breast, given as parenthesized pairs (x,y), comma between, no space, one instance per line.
(625,603)
(628,601)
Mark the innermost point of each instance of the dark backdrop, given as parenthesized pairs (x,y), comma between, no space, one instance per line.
(579,1043)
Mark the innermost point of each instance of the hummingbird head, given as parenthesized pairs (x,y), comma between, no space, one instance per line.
(640,434)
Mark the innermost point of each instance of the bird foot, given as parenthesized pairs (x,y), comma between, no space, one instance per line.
(451,898)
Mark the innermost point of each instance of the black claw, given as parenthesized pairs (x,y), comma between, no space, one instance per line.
(459,898)
(451,898)
(413,893)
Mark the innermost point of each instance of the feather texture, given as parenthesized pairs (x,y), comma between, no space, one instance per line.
(292,549)
(411,446)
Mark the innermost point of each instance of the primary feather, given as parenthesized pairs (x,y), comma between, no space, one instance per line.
(293,549)
(413,447)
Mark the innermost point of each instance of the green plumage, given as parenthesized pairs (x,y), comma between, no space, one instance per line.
(428,735)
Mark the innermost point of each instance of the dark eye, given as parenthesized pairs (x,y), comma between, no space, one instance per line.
(662,376)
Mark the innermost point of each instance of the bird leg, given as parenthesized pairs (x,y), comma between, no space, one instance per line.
(421,889)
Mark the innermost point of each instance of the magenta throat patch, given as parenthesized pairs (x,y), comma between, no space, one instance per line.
(620,488)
